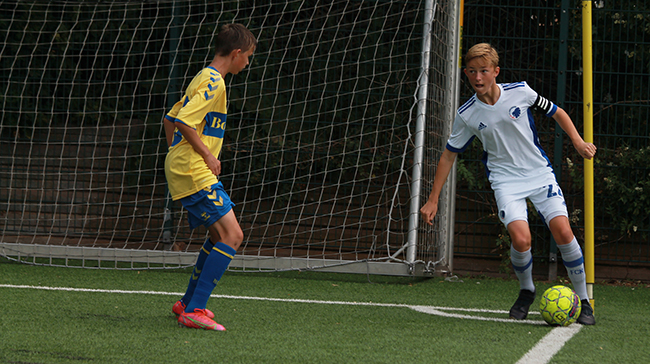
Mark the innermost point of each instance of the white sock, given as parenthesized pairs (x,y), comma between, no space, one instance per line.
(522,262)
(575,266)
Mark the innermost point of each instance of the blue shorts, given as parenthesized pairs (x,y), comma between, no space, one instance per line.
(207,206)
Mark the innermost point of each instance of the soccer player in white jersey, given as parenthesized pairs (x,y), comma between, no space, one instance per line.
(194,129)
(500,116)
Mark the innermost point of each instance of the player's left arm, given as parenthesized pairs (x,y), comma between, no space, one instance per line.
(586,150)
(170,127)
(169,122)
(199,147)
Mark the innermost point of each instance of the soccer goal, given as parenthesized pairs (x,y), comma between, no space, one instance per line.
(334,131)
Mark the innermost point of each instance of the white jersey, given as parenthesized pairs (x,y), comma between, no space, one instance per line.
(513,157)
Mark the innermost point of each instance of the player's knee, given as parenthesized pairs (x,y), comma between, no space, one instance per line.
(239,237)
(520,235)
(521,240)
(521,243)
(561,230)
(235,238)
(563,237)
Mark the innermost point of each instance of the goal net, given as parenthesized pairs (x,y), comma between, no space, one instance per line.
(334,130)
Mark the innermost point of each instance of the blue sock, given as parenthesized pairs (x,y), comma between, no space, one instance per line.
(522,263)
(575,266)
(215,265)
(198,268)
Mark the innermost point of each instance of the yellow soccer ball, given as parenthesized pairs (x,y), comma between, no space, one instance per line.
(560,306)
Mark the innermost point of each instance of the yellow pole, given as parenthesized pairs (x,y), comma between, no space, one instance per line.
(460,29)
(588,99)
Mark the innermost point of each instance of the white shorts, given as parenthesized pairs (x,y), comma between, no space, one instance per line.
(548,201)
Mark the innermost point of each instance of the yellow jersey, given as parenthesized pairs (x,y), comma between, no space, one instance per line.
(203,108)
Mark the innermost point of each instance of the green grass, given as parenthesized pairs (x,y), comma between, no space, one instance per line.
(41,326)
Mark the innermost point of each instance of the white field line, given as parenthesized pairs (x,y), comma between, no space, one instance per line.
(539,354)
(550,345)
(433,310)
(438,312)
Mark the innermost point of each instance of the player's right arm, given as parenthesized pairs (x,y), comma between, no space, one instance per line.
(430,208)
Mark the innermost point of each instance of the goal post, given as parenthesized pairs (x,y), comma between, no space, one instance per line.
(431,128)
(332,139)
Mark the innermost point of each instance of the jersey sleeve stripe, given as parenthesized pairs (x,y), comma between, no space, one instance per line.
(510,86)
(467,105)
(461,149)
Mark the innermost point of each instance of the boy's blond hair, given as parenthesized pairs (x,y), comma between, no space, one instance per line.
(485,51)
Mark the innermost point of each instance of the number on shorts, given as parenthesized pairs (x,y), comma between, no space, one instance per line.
(552,193)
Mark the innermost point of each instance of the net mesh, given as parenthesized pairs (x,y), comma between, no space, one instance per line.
(318,150)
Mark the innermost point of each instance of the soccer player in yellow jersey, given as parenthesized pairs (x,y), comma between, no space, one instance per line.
(194,129)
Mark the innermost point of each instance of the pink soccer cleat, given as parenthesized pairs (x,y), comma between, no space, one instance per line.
(198,320)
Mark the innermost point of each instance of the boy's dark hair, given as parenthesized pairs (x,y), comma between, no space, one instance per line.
(234,36)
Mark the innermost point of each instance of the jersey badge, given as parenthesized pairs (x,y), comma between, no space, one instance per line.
(481,126)
(514,112)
